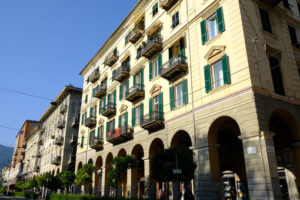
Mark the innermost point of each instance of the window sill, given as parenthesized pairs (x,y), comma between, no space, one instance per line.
(208,42)
(268,34)
(219,89)
(155,78)
(178,107)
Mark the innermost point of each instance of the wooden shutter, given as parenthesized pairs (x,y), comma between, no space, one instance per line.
(91,111)
(170,56)
(172,102)
(104,101)
(107,127)
(225,69)
(126,119)
(159,63)
(207,78)
(133,117)
(203,31)
(141,111)
(160,105)
(82,119)
(127,86)
(108,99)
(150,108)
(90,138)
(115,98)
(220,20)
(120,92)
(113,124)
(150,70)
(120,122)
(182,51)
(134,80)
(100,104)
(93,92)
(82,141)
(185,92)
(142,78)
(98,133)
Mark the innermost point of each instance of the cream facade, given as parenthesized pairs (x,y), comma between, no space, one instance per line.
(219,76)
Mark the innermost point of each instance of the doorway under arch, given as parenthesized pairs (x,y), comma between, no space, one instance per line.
(138,173)
(98,176)
(108,167)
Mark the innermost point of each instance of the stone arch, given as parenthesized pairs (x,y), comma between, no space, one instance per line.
(181,137)
(122,152)
(225,149)
(79,166)
(287,150)
(98,175)
(122,187)
(57,171)
(90,161)
(138,173)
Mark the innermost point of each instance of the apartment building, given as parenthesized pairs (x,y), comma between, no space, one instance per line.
(52,147)
(221,77)
(17,160)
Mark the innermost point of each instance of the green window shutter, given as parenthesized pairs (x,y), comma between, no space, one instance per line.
(134,80)
(104,101)
(91,111)
(93,92)
(115,97)
(133,117)
(203,31)
(95,110)
(185,92)
(207,78)
(172,102)
(126,118)
(113,124)
(107,127)
(150,70)
(120,92)
(98,133)
(82,119)
(90,138)
(141,111)
(170,56)
(85,116)
(100,105)
(142,78)
(182,50)
(150,105)
(160,105)
(120,118)
(220,20)
(82,141)
(159,63)
(127,86)
(108,98)
(225,69)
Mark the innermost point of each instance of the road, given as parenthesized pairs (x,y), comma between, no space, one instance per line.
(12,198)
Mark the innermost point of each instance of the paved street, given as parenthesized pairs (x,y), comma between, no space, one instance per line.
(13,198)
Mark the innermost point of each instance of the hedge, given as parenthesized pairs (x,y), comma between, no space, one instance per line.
(84,197)
(27,195)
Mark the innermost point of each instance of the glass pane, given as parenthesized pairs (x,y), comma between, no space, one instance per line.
(212,27)
(218,74)
(137,115)
(155,104)
(155,67)
(179,99)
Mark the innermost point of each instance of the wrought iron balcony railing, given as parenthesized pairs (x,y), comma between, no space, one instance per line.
(121,73)
(119,135)
(167,4)
(111,58)
(91,122)
(152,47)
(94,76)
(97,143)
(135,93)
(108,110)
(153,121)
(175,68)
(100,91)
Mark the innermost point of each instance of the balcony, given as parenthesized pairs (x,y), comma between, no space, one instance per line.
(91,122)
(175,68)
(152,47)
(100,91)
(94,76)
(121,73)
(167,4)
(60,124)
(137,33)
(111,58)
(36,168)
(271,3)
(63,108)
(153,121)
(97,143)
(109,110)
(120,135)
(75,121)
(23,153)
(135,93)
(59,140)
(74,139)
(56,160)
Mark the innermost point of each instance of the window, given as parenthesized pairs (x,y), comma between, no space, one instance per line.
(265,20)
(137,114)
(214,25)
(86,99)
(156,107)
(112,126)
(82,141)
(156,103)
(177,51)
(122,91)
(178,94)
(139,52)
(293,35)
(175,19)
(32,126)
(91,136)
(216,74)
(155,67)
(276,75)
(154,9)
(100,132)
(127,38)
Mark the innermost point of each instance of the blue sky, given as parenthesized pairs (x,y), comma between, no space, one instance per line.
(43,47)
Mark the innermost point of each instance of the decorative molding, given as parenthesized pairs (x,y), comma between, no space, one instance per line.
(82,131)
(100,121)
(123,108)
(215,53)
(155,90)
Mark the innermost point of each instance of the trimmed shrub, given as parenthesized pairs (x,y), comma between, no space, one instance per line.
(27,195)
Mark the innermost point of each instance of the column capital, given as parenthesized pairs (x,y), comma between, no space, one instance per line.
(259,135)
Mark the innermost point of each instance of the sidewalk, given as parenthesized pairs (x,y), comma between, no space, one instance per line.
(12,198)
